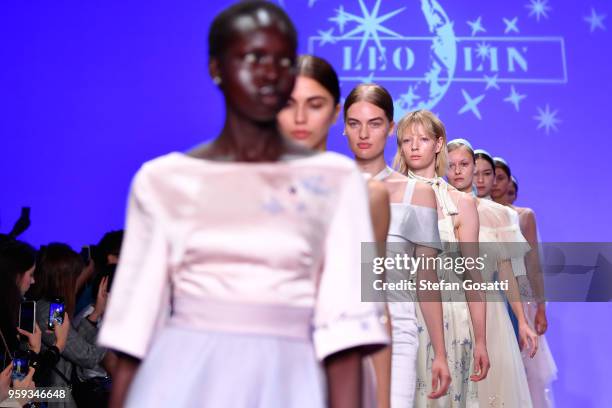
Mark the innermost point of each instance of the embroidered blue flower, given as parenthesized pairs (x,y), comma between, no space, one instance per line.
(273,206)
(315,185)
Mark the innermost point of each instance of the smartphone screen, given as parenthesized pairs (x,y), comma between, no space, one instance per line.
(20,367)
(27,312)
(56,313)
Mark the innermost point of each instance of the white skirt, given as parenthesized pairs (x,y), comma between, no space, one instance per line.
(541,370)
(506,383)
(404,347)
(195,368)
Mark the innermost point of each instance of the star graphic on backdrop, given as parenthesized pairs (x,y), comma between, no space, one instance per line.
(409,97)
(514,98)
(547,119)
(370,24)
(476,26)
(539,8)
(341,18)
(595,20)
(311,3)
(471,104)
(511,25)
(327,37)
(491,82)
(482,50)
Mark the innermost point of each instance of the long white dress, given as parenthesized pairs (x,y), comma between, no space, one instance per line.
(237,279)
(458,332)
(410,225)
(500,242)
(541,370)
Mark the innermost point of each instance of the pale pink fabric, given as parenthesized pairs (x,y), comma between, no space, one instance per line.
(285,234)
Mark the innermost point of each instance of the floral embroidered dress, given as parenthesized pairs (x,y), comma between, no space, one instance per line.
(458,332)
(237,279)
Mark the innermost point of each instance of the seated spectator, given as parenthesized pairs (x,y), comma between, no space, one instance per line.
(104,254)
(93,386)
(17,264)
(56,274)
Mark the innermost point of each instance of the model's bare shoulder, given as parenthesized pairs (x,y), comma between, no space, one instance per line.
(423,195)
(378,194)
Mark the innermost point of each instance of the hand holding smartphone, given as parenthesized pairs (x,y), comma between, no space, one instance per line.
(27,315)
(20,366)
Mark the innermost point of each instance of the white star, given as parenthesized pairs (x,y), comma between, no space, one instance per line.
(548,120)
(341,18)
(511,25)
(539,8)
(482,50)
(371,25)
(311,3)
(409,97)
(471,104)
(327,37)
(476,26)
(514,98)
(596,20)
(491,82)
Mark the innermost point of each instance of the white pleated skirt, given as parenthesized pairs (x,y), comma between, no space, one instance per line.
(195,368)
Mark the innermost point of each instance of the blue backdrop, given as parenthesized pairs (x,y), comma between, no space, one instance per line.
(90,91)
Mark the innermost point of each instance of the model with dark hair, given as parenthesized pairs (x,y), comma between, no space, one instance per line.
(313,107)
(541,370)
(251,243)
(368,124)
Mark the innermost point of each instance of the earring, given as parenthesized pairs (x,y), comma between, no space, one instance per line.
(217,80)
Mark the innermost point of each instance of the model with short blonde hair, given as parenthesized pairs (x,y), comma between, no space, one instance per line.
(422,155)
(433,127)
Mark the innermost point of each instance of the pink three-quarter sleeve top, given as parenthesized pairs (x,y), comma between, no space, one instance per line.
(270,248)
